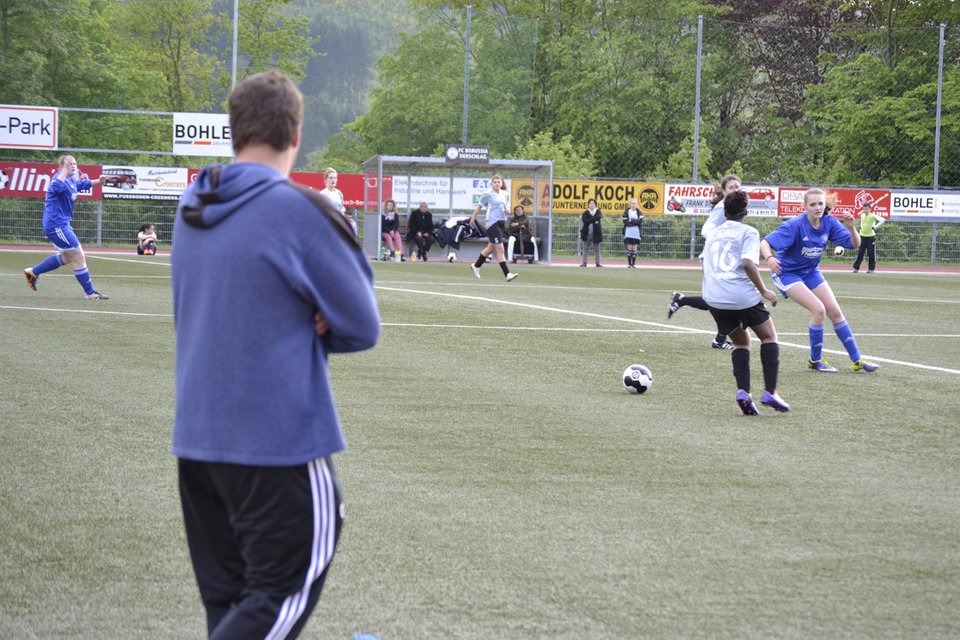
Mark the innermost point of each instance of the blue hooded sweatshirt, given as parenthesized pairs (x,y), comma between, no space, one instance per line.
(254,259)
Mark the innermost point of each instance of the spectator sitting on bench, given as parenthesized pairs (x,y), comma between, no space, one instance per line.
(420,231)
(147,240)
(520,229)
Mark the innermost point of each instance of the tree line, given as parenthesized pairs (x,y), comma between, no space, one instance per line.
(791,91)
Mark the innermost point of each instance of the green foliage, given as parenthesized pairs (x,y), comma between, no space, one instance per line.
(569,159)
(419,101)
(679,165)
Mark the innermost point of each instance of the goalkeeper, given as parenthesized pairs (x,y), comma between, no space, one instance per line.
(869,222)
(57,215)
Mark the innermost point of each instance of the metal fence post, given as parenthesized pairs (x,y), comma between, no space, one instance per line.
(696,100)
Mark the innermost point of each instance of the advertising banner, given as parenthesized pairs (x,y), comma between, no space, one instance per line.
(571,196)
(351,184)
(694,200)
(688,199)
(30,180)
(146,183)
(949,205)
(916,204)
(435,191)
(849,201)
(202,134)
(28,127)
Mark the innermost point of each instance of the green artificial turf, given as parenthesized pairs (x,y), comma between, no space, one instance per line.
(500,482)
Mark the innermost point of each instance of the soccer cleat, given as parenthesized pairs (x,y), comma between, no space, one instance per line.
(774,401)
(863,365)
(476,270)
(726,344)
(745,402)
(96,295)
(821,365)
(31,279)
(511,276)
(674,305)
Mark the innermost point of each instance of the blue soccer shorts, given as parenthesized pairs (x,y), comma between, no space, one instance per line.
(63,238)
(785,280)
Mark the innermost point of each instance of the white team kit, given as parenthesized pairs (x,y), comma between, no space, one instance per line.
(725,283)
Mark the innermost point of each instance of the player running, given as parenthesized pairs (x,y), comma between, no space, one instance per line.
(496,203)
(734,291)
(799,244)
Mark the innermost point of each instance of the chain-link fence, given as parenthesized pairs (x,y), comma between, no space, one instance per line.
(804,99)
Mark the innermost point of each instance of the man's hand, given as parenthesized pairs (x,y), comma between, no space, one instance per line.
(320,324)
(771,296)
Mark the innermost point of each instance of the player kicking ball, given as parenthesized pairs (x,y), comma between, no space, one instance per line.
(734,290)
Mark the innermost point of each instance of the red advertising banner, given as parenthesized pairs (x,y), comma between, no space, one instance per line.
(351,184)
(30,180)
(849,201)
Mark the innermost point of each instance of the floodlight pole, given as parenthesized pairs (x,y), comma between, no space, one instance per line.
(696,100)
(466,74)
(936,143)
(233,73)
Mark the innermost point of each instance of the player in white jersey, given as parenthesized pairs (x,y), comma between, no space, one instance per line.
(734,291)
(729,184)
(330,178)
(497,203)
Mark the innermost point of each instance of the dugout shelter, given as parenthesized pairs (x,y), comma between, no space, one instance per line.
(453,188)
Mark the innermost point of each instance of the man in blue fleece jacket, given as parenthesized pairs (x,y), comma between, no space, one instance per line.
(268,279)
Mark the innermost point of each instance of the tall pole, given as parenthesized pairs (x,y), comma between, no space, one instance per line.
(936,139)
(466,74)
(233,73)
(696,99)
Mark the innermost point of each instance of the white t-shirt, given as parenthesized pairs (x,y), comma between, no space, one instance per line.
(497,204)
(716,218)
(725,283)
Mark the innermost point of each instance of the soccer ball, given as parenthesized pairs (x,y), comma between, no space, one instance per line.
(637,379)
(838,251)
(451,256)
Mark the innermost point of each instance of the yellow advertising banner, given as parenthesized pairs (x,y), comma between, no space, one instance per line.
(571,196)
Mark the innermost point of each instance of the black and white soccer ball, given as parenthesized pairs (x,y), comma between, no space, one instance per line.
(637,379)
(838,251)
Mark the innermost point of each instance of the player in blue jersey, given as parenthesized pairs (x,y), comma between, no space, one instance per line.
(57,214)
(496,202)
(798,245)
(734,291)
(268,280)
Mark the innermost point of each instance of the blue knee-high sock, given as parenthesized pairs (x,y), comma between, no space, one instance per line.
(816,341)
(845,333)
(49,263)
(83,277)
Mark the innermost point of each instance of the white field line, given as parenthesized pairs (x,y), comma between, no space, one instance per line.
(658,325)
(99,311)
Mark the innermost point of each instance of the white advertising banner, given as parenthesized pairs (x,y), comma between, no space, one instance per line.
(694,200)
(435,191)
(917,204)
(146,183)
(202,134)
(28,127)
